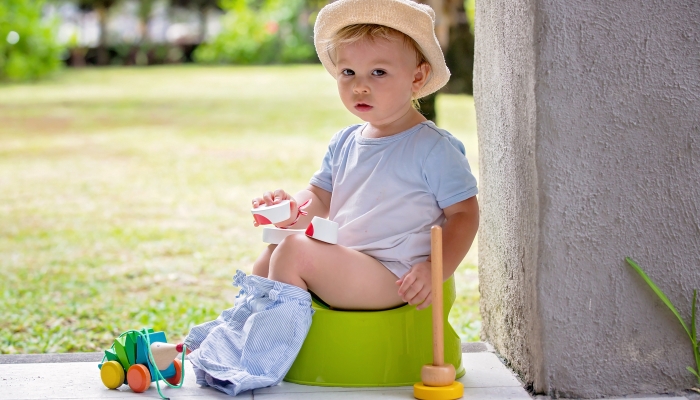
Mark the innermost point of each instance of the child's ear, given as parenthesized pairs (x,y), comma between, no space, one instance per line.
(420,77)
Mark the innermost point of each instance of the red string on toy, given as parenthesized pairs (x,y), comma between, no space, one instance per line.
(300,211)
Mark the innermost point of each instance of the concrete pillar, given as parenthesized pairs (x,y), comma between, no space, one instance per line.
(589,137)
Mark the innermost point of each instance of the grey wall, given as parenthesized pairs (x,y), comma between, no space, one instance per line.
(589,128)
(504,82)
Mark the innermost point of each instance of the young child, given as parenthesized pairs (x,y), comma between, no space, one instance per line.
(385,182)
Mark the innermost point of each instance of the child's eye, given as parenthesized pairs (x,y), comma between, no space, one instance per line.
(378,72)
(347,72)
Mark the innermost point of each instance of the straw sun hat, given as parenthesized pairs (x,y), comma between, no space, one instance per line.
(415,20)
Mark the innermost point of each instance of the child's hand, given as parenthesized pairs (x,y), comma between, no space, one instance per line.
(270,198)
(414,287)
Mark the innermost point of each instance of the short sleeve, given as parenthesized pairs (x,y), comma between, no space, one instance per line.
(447,172)
(323,178)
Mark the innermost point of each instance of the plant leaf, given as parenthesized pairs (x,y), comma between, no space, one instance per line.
(693,329)
(659,293)
(693,371)
(694,333)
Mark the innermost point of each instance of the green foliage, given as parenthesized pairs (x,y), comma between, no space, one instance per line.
(260,32)
(28,49)
(470,8)
(692,332)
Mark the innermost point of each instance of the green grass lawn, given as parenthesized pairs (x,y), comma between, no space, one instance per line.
(125,194)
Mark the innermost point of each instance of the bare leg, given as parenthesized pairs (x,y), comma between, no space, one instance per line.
(342,277)
(261,266)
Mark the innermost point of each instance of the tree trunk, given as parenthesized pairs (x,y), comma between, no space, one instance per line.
(460,55)
(203,13)
(442,31)
(102,53)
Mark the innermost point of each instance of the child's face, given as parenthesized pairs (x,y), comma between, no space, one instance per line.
(376,79)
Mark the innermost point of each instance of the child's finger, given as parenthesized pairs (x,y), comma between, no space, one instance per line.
(268,198)
(412,292)
(421,296)
(428,301)
(408,280)
(279,195)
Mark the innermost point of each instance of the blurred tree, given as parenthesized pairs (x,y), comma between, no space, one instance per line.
(459,54)
(470,8)
(28,48)
(145,9)
(452,29)
(262,31)
(101,7)
(202,7)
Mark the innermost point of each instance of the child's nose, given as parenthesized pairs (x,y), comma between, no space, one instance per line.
(360,89)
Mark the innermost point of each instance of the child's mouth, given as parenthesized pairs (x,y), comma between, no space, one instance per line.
(362,107)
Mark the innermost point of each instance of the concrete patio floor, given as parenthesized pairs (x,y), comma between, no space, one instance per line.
(76,376)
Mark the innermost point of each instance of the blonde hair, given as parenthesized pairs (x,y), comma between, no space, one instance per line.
(357,32)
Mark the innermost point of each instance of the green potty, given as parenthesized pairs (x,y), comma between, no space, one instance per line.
(373,348)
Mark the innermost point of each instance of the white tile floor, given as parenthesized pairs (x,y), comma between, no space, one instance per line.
(486,378)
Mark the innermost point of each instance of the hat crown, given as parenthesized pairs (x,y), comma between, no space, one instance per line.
(428,10)
(413,19)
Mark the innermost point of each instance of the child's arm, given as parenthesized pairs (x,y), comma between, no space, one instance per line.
(458,234)
(319,206)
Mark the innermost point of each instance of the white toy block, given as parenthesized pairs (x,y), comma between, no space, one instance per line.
(265,215)
(323,229)
(274,235)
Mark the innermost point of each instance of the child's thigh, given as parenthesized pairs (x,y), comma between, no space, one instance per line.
(345,278)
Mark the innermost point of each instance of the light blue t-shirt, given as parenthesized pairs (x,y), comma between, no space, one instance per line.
(388,192)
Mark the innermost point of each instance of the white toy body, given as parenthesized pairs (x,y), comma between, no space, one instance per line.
(323,229)
(274,235)
(266,215)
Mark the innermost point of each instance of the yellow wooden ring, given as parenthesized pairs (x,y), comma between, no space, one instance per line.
(112,374)
(449,392)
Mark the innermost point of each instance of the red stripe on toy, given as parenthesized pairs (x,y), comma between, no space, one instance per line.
(310,230)
(261,220)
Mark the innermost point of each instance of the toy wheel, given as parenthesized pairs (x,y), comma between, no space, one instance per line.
(139,378)
(112,374)
(175,380)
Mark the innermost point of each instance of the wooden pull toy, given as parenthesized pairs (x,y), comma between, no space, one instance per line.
(141,357)
(165,353)
(266,215)
(438,379)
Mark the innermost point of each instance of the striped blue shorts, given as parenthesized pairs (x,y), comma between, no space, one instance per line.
(253,344)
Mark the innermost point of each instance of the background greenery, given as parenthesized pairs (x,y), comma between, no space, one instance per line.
(261,32)
(124,194)
(36,54)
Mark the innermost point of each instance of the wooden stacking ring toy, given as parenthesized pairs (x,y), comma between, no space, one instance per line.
(438,379)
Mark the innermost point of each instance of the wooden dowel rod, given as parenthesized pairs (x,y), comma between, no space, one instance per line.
(436,277)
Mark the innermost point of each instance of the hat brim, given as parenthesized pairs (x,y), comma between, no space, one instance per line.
(408,17)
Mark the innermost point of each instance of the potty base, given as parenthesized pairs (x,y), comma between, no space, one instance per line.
(373,348)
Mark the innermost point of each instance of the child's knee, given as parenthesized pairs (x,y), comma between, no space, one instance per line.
(290,246)
(292,252)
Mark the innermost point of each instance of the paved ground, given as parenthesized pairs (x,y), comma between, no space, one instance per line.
(486,378)
(76,376)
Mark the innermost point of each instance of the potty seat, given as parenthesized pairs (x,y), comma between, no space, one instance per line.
(373,348)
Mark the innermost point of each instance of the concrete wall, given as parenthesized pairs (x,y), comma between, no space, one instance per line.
(589,128)
(504,82)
